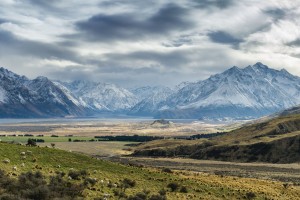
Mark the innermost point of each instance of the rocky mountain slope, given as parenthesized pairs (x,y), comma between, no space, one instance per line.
(151,100)
(21,97)
(236,93)
(101,97)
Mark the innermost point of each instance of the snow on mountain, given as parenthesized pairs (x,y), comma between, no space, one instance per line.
(102,96)
(182,85)
(151,99)
(143,92)
(3,95)
(236,93)
(69,94)
(21,97)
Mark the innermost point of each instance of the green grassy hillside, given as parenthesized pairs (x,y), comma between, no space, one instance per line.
(274,140)
(195,186)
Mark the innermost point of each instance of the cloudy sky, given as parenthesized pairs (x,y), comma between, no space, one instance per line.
(153,42)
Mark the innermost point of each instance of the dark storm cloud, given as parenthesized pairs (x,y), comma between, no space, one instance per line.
(132,3)
(295,43)
(224,38)
(2,21)
(42,3)
(137,41)
(46,5)
(204,4)
(9,43)
(129,26)
(53,7)
(277,13)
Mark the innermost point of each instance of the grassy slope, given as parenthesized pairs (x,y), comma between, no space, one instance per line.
(200,186)
(274,140)
(267,131)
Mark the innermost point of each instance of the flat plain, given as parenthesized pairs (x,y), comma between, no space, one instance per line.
(115,127)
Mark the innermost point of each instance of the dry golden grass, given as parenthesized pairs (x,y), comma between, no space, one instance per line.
(165,143)
(249,134)
(267,171)
(93,128)
(101,149)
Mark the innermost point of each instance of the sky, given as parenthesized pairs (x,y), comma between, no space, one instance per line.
(154,42)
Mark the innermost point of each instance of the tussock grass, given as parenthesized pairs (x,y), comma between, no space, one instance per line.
(52,161)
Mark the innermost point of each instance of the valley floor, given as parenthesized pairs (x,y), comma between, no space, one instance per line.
(267,171)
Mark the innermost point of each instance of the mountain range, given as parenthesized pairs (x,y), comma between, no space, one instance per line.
(250,92)
(237,93)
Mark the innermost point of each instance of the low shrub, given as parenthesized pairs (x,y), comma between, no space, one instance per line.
(183,189)
(173,186)
(77,175)
(34,186)
(250,195)
(166,170)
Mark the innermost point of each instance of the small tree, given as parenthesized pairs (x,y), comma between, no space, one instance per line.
(31,142)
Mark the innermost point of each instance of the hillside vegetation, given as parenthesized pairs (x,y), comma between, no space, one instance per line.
(97,179)
(274,140)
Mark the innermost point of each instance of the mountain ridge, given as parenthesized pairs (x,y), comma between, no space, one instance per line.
(236,93)
(254,90)
(24,98)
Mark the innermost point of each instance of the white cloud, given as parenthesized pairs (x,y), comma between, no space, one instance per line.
(258,30)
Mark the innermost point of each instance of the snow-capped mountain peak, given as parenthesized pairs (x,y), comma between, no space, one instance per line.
(102,96)
(237,92)
(248,92)
(151,99)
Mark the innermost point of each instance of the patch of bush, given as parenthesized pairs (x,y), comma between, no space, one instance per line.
(91,181)
(54,136)
(166,170)
(250,195)
(162,192)
(77,175)
(173,186)
(127,183)
(157,197)
(145,196)
(34,186)
(183,189)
